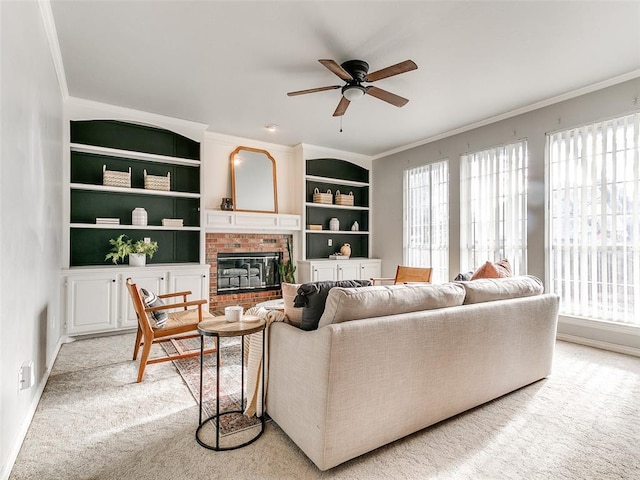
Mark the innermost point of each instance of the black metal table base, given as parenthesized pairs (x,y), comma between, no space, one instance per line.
(218,415)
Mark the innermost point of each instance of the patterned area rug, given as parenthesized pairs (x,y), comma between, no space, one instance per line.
(230,377)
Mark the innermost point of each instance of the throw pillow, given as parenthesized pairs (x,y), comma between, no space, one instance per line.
(159,317)
(312,297)
(499,269)
(463,277)
(294,315)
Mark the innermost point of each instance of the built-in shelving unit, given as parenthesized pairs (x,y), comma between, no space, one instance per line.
(95,297)
(336,175)
(122,146)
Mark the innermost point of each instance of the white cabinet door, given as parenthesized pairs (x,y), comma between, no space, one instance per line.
(323,271)
(91,303)
(348,270)
(152,281)
(195,280)
(370,269)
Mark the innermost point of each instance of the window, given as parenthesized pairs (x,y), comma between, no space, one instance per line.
(426,222)
(493,207)
(594,225)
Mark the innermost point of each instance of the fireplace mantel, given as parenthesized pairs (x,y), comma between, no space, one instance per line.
(222,221)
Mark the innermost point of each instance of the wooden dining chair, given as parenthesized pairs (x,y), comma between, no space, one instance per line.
(179,325)
(407,275)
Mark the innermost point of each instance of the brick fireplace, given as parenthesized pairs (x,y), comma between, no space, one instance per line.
(241,243)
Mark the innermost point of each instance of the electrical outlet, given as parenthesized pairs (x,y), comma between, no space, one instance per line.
(26,376)
(147,239)
(330,243)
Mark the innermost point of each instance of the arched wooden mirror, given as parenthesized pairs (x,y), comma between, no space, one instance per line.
(253,180)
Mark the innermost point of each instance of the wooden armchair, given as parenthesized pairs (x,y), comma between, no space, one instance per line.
(407,275)
(179,325)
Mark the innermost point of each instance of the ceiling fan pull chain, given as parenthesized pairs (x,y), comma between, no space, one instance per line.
(340,124)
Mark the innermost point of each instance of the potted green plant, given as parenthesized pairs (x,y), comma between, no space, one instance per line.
(286,268)
(136,251)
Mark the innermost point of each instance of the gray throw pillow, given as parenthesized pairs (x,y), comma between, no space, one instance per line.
(463,277)
(159,317)
(313,296)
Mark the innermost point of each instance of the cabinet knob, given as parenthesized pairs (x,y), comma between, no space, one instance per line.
(113,280)
(161,278)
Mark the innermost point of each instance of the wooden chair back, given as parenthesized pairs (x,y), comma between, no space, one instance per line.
(143,320)
(412,274)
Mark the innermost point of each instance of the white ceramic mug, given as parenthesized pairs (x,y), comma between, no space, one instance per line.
(234,313)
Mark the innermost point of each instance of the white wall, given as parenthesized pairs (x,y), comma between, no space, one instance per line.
(532,126)
(217,174)
(30,206)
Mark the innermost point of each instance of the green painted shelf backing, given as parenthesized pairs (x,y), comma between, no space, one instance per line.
(88,246)
(336,169)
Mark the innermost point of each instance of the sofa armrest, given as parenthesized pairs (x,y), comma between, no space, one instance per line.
(298,382)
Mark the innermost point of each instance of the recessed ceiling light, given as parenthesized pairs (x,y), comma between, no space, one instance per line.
(271,127)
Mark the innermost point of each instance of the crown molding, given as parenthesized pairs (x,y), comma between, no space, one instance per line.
(519,111)
(54,46)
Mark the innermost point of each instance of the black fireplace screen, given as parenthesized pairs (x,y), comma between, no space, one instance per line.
(238,272)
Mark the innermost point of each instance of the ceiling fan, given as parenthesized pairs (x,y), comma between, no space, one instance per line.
(354,73)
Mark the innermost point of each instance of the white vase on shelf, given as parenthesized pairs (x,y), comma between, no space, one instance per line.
(334,224)
(139,216)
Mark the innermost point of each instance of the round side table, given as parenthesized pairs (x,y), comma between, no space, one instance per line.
(217,328)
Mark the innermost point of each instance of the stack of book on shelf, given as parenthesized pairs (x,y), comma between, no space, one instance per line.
(172,222)
(107,221)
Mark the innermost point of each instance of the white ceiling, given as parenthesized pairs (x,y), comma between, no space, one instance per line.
(230,64)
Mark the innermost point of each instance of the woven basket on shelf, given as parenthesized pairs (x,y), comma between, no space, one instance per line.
(342,199)
(322,197)
(155,182)
(112,178)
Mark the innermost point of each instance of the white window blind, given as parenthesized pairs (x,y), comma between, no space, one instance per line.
(426,222)
(594,225)
(493,207)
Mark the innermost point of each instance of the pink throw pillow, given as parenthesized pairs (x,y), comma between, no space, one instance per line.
(499,269)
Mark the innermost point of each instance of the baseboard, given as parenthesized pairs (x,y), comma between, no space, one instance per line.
(22,433)
(599,344)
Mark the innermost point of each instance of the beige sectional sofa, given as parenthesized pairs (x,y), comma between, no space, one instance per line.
(388,361)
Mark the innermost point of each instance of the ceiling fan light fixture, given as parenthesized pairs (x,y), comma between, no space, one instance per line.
(353,92)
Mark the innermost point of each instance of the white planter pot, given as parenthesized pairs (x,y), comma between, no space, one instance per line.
(137,259)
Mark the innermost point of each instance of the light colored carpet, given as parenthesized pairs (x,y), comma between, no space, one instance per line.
(95,422)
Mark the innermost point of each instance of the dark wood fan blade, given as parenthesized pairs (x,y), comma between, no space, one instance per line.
(337,69)
(313,90)
(342,107)
(388,97)
(396,69)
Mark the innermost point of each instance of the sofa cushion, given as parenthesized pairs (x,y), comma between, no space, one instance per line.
(345,304)
(294,315)
(312,297)
(491,289)
(499,269)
